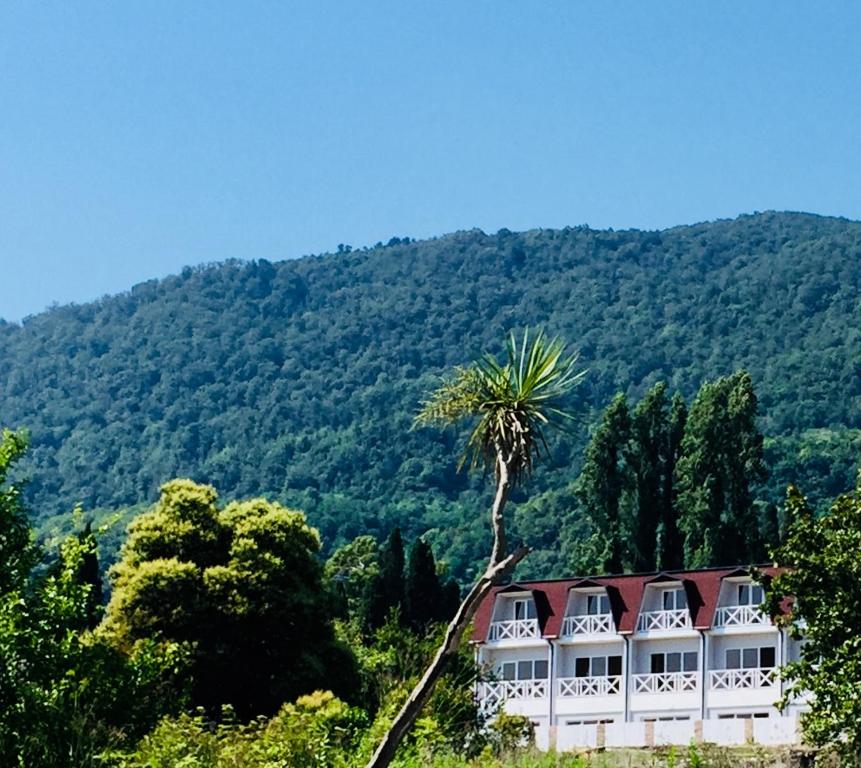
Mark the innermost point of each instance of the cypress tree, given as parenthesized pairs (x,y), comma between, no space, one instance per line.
(423,603)
(89,573)
(385,591)
(450,600)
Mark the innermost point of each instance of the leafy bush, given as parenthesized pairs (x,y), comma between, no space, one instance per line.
(317,731)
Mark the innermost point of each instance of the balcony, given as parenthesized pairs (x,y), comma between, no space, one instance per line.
(590,686)
(494,694)
(516,629)
(739,679)
(740,616)
(594,624)
(651,621)
(665,682)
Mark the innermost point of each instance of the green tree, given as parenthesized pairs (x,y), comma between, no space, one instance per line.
(385,591)
(242,586)
(350,571)
(722,458)
(65,696)
(604,481)
(823,585)
(670,544)
(648,457)
(16,551)
(423,600)
(511,405)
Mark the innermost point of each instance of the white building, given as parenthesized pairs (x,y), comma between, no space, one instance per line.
(637,660)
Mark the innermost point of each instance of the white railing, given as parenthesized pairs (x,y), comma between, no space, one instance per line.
(594,624)
(513,630)
(494,694)
(665,682)
(740,616)
(679,618)
(735,679)
(590,686)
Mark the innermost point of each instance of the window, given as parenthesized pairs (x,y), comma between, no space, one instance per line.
(750,594)
(597,604)
(524,609)
(666,719)
(589,722)
(597,666)
(750,658)
(674,599)
(742,715)
(673,662)
(524,670)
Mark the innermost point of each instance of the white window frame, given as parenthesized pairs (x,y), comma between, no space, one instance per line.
(517,667)
(683,657)
(600,601)
(679,599)
(741,652)
(605,658)
(745,594)
(528,609)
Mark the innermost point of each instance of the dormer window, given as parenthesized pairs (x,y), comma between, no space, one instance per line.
(665,608)
(739,604)
(514,617)
(588,613)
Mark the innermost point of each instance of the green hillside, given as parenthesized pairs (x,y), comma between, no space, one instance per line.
(299,379)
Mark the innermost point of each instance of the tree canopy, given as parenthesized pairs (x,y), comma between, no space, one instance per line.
(241,586)
(298,380)
(823,586)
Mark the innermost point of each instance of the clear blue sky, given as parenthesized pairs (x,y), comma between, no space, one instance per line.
(137,137)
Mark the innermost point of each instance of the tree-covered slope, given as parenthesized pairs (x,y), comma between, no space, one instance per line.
(300,379)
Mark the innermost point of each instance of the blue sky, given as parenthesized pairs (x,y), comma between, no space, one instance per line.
(136,138)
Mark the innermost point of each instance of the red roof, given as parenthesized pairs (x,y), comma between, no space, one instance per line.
(702,589)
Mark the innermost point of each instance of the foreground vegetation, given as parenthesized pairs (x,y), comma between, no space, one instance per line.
(298,380)
(227,642)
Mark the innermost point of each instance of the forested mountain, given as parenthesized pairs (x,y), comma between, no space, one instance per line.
(299,379)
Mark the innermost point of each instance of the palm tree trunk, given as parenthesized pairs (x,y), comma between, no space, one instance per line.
(497,568)
(503,485)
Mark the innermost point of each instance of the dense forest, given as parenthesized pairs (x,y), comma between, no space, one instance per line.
(300,379)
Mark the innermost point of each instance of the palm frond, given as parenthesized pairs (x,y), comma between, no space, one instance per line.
(514,402)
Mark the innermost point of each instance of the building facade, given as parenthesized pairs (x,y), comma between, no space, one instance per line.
(637,660)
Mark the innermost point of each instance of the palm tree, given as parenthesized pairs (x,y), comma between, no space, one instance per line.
(513,406)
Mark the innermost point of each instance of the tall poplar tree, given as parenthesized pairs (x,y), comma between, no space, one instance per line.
(722,458)
(648,457)
(604,480)
(669,547)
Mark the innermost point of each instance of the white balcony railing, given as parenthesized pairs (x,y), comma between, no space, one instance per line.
(678,618)
(665,682)
(515,629)
(740,616)
(737,679)
(494,694)
(590,686)
(595,624)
